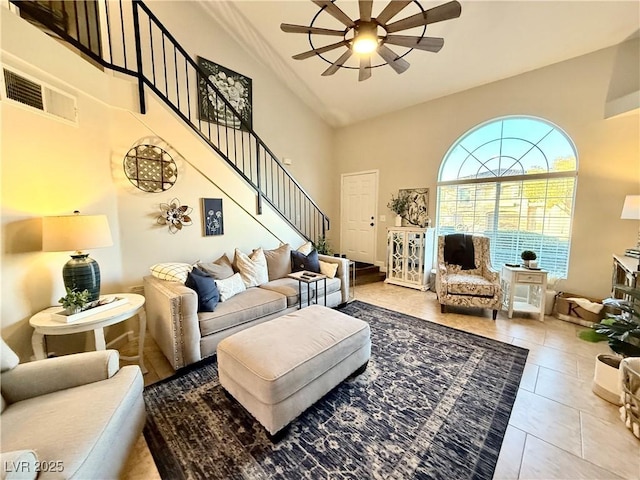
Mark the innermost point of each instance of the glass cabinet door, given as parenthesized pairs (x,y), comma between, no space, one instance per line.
(415,252)
(396,255)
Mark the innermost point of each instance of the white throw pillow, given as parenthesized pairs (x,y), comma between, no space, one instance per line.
(306,248)
(24,465)
(328,269)
(174,272)
(252,268)
(230,286)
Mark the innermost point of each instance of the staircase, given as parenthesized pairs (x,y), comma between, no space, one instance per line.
(367,273)
(137,44)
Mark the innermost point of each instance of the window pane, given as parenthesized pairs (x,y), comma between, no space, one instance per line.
(517,214)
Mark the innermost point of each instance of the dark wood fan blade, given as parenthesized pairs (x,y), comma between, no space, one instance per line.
(316,51)
(338,63)
(398,64)
(365,68)
(287,27)
(335,11)
(446,11)
(391,10)
(365,9)
(430,44)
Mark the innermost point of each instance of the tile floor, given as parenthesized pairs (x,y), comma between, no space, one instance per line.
(558,428)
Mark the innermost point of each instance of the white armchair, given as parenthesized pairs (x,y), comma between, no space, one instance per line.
(474,287)
(76,416)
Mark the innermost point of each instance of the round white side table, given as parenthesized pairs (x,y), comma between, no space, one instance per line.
(44,324)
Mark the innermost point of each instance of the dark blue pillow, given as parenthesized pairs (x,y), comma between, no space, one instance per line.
(300,261)
(205,287)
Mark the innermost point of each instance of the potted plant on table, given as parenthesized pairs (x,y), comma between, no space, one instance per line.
(75,301)
(399,206)
(527,256)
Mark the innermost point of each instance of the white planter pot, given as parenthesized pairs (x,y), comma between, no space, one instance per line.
(398,221)
(606,378)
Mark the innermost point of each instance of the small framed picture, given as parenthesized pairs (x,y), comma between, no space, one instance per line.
(212,217)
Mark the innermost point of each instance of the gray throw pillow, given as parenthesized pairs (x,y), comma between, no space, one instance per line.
(220,269)
(278,261)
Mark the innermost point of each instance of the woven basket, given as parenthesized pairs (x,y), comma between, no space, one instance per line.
(630,380)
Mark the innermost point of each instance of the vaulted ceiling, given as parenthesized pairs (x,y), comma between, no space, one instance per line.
(490,41)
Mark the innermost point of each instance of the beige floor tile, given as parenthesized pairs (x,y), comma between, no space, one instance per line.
(571,343)
(574,392)
(549,420)
(508,466)
(529,377)
(550,357)
(621,457)
(547,462)
(140,465)
(586,367)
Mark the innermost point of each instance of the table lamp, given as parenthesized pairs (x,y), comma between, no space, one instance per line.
(631,211)
(76,233)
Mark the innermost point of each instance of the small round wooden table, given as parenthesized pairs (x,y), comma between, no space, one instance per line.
(44,324)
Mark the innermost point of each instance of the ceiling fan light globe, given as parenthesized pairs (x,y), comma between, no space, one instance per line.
(365,44)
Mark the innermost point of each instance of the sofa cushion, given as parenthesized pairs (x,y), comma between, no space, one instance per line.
(289,288)
(328,269)
(174,272)
(252,268)
(220,269)
(247,306)
(306,248)
(205,286)
(461,284)
(300,261)
(278,261)
(229,287)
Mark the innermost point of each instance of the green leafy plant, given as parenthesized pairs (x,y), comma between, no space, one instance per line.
(322,246)
(620,329)
(399,204)
(74,300)
(528,255)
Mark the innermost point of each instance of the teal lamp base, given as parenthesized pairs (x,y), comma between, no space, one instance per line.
(82,272)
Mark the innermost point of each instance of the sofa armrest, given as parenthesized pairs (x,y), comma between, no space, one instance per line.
(342,273)
(172,320)
(41,377)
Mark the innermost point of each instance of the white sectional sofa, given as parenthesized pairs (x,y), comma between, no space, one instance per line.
(186,335)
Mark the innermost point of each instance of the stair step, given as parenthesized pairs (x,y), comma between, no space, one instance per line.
(369,278)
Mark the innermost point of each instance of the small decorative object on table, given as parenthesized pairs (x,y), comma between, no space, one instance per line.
(74,301)
(77,307)
(527,256)
(399,205)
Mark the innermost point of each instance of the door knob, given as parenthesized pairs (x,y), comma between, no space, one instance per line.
(371,224)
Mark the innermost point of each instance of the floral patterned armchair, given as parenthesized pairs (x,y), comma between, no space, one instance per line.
(478,287)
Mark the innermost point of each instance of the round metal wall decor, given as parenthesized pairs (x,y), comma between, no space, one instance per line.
(150,168)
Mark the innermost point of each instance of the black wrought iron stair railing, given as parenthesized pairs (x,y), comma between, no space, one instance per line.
(127,37)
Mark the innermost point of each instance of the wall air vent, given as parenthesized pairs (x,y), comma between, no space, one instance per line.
(36,94)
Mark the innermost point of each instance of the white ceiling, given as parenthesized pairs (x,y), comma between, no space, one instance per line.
(491,40)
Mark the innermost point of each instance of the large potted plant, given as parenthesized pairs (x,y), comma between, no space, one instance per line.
(622,330)
(399,206)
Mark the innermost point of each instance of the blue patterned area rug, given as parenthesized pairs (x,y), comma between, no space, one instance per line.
(434,402)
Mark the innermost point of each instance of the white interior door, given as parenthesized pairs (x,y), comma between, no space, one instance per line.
(359,199)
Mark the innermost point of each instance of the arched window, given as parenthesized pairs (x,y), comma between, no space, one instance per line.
(512,179)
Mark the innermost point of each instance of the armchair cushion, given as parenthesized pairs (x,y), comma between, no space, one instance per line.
(34,379)
(8,358)
(460,284)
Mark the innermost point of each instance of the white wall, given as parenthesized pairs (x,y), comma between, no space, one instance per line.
(408,146)
(50,168)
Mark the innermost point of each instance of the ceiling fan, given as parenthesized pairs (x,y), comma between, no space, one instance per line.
(369,34)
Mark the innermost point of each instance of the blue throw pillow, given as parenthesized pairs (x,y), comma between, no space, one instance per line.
(205,287)
(300,261)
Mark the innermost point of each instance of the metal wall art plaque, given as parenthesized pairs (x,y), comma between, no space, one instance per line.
(150,168)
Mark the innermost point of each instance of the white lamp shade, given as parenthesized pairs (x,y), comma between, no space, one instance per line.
(631,208)
(75,233)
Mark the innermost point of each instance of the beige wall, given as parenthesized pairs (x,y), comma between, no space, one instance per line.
(50,168)
(408,146)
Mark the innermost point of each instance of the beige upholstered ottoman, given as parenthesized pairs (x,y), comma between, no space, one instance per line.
(278,369)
